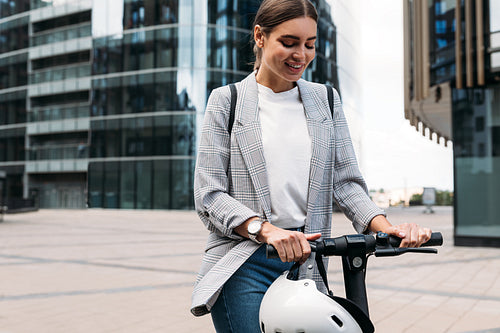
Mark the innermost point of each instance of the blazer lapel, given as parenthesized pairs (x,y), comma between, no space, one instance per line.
(248,134)
(320,127)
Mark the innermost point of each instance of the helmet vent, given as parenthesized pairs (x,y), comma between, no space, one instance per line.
(337,320)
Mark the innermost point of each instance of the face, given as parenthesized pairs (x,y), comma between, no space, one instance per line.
(286,52)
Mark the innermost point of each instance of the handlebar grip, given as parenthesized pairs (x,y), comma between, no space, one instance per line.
(435,240)
(271,252)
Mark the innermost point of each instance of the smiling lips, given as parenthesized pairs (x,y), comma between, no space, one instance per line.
(295,67)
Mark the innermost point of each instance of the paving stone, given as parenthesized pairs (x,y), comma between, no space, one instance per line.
(132,271)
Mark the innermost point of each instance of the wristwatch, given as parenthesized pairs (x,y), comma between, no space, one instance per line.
(254,228)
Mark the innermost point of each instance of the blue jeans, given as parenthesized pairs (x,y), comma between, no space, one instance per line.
(237,308)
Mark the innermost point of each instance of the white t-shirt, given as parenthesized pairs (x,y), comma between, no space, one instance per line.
(287,151)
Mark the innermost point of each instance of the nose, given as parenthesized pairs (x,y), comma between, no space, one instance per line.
(299,54)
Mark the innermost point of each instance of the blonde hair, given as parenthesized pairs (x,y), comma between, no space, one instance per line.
(274,12)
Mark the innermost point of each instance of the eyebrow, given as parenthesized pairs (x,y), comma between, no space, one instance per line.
(297,38)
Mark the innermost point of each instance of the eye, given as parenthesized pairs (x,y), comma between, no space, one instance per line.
(310,47)
(287,44)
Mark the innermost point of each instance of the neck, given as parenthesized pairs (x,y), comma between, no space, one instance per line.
(275,85)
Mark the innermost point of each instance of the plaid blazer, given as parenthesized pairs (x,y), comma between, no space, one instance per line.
(230,184)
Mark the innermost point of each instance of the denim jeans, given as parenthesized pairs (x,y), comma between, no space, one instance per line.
(237,307)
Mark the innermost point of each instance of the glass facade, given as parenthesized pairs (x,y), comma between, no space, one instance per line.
(106,97)
(476,124)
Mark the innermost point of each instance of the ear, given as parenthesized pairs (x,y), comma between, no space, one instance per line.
(258,36)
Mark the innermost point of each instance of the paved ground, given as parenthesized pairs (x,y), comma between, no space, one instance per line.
(132,271)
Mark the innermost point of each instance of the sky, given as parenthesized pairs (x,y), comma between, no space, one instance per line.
(394,154)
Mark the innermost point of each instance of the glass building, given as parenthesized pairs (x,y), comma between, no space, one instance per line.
(452,91)
(101,100)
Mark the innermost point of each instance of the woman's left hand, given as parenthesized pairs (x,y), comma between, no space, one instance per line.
(411,234)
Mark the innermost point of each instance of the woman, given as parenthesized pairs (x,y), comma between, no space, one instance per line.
(273,178)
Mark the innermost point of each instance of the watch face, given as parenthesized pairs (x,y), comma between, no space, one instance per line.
(254,227)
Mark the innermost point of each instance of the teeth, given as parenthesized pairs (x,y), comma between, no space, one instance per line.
(295,66)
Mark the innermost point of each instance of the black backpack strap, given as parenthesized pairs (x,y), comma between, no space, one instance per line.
(322,272)
(234,97)
(329,90)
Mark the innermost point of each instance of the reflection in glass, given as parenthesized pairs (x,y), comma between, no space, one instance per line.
(144,136)
(149,92)
(12,145)
(159,184)
(141,13)
(476,133)
(13,108)
(12,7)
(127,182)
(14,34)
(144,182)
(442,40)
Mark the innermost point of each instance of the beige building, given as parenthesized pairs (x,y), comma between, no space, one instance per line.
(452,93)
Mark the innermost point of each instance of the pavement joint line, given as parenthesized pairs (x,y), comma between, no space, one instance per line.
(98,232)
(94,291)
(91,263)
(162,241)
(491,330)
(97,228)
(27,261)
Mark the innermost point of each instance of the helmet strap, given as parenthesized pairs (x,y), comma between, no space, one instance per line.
(322,272)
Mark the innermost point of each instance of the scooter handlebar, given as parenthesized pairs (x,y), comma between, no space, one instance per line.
(435,240)
(337,244)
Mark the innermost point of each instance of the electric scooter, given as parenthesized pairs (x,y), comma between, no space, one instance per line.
(355,250)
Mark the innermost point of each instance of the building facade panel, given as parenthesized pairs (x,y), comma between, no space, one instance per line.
(101,101)
(463,83)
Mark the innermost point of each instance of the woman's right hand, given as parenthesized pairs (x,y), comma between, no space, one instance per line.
(292,246)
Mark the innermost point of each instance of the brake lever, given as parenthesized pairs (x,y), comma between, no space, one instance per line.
(396,251)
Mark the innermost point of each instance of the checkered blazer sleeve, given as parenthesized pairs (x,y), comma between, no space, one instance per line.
(220,212)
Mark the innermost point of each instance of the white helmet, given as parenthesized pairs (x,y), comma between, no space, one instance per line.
(297,306)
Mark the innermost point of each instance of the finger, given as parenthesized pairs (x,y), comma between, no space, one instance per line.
(306,249)
(415,235)
(281,251)
(296,246)
(280,247)
(395,231)
(292,249)
(424,235)
(312,237)
(405,232)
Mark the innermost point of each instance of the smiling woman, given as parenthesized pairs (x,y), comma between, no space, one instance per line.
(273,178)
(285,52)
(291,24)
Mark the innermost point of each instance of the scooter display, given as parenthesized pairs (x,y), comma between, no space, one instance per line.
(296,305)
